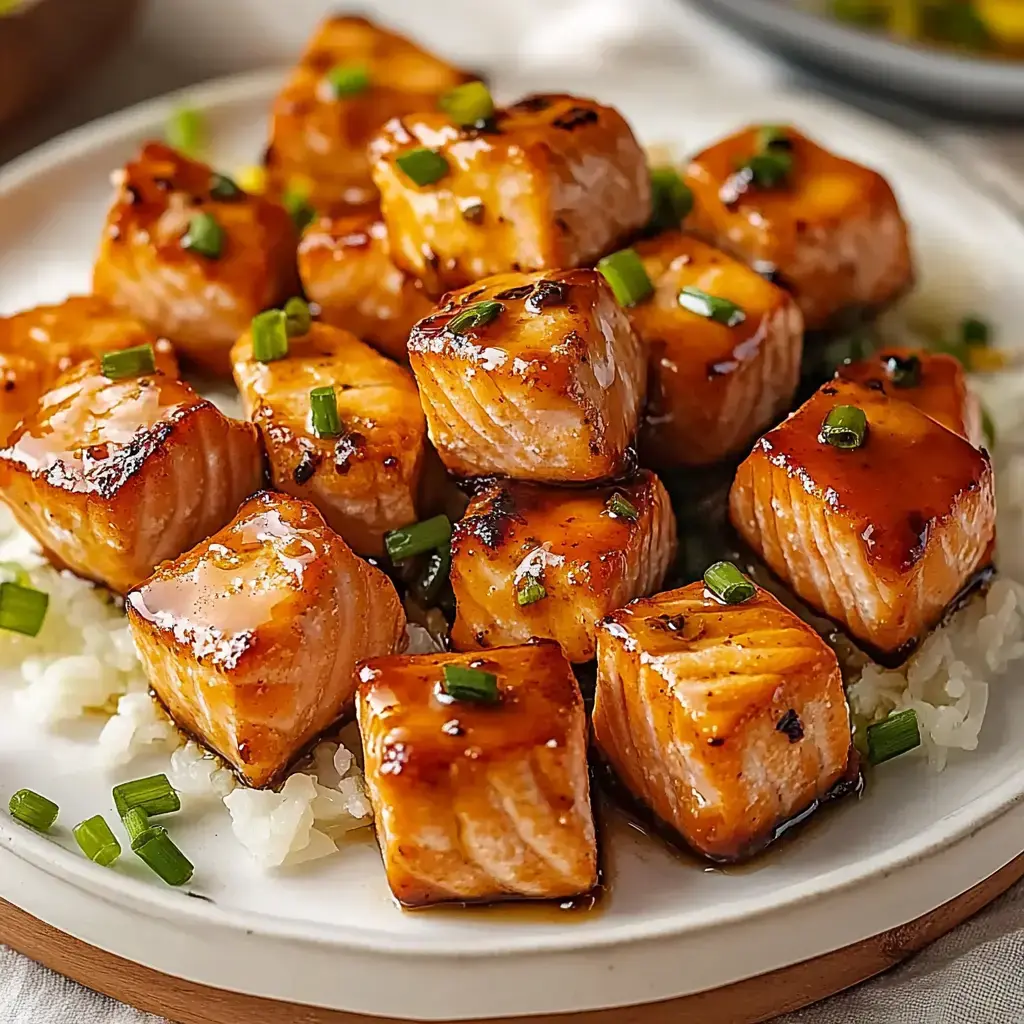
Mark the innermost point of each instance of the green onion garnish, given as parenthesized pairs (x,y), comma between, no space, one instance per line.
(136,822)
(323,407)
(422,166)
(975,331)
(894,736)
(845,427)
(33,810)
(418,539)
(299,208)
(160,853)
(671,199)
(22,609)
(728,584)
(530,590)
(768,169)
(154,794)
(186,130)
(223,187)
(470,684)
(204,236)
(476,314)
(772,135)
(722,311)
(270,335)
(128,362)
(904,373)
(347,80)
(621,507)
(96,841)
(434,576)
(298,318)
(624,271)
(468,104)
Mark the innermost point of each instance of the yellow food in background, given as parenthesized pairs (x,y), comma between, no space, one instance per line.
(1004,19)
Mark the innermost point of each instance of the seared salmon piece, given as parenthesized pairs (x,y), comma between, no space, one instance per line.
(533,376)
(250,639)
(933,381)
(559,182)
(880,538)
(352,77)
(193,256)
(38,345)
(725,349)
(479,799)
(346,270)
(529,560)
(114,476)
(826,229)
(726,720)
(366,479)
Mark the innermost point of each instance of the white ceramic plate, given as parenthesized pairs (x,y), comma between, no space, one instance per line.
(328,933)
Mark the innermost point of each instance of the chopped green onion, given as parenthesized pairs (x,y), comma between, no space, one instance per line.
(470,684)
(136,822)
(468,104)
(33,810)
(96,841)
(768,169)
(975,331)
(904,373)
(621,507)
(160,853)
(624,271)
(530,590)
(347,80)
(476,314)
(728,584)
(671,199)
(128,362)
(186,130)
(772,135)
(418,539)
(22,609)
(988,428)
(223,187)
(845,427)
(298,318)
(434,576)
(713,307)
(894,736)
(422,166)
(204,236)
(323,406)
(154,794)
(270,335)
(299,208)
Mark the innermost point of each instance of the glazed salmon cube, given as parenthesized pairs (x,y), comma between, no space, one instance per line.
(530,560)
(725,349)
(346,270)
(191,257)
(726,720)
(479,801)
(352,77)
(366,480)
(828,230)
(548,388)
(882,537)
(114,476)
(933,381)
(38,345)
(558,182)
(250,639)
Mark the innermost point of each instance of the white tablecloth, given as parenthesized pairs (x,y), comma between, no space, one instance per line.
(972,976)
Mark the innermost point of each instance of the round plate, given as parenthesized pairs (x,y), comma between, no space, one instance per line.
(929,75)
(328,933)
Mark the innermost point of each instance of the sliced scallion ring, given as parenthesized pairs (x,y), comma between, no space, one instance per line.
(419,538)
(298,318)
(186,130)
(434,576)
(269,335)
(160,854)
(323,407)
(625,273)
(204,236)
(34,810)
(224,188)
(844,427)
(671,199)
(154,794)
(893,736)
(299,209)
(530,590)
(136,822)
(468,104)
(974,331)
(728,584)
(476,314)
(22,609)
(128,362)
(347,80)
(422,166)
(713,307)
(470,684)
(622,508)
(97,841)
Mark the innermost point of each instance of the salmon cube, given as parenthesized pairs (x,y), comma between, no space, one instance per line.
(727,721)
(192,256)
(347,272)
(114,476)
(366,479)
(881,537)
(556,182)
(530,560)
(826,229)
(533,376)
(725,349)
(479,800)
(250,639)
(352,77)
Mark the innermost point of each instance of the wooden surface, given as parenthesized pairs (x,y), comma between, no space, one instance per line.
(746,1002)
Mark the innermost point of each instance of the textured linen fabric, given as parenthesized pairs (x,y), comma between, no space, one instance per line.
(972,976)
